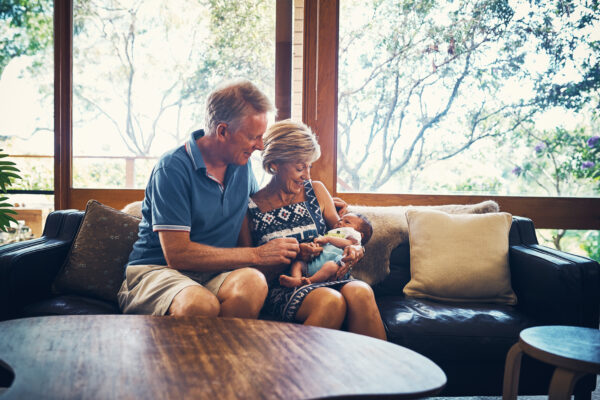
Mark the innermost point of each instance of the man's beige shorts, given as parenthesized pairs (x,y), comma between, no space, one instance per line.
(150,289)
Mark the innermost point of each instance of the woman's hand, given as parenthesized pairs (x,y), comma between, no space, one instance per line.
(308,251)
(340,206)
(352,254)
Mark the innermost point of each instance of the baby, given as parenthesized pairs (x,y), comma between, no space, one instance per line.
(351,229)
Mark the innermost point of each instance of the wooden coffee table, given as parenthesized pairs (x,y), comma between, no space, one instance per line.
(574,350)
(146,357)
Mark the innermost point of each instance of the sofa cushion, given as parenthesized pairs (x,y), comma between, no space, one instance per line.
(96,261)
(459,257)
(452,331)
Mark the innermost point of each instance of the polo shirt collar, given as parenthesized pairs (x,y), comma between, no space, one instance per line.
(193,151)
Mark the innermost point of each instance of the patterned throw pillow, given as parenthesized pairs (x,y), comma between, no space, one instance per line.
(96,261)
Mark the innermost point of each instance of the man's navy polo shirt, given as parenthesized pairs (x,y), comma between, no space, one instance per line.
(180,196)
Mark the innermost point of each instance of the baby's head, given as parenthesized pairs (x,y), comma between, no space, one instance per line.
(359,222)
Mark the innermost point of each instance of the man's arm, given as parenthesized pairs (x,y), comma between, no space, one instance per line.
(183,254)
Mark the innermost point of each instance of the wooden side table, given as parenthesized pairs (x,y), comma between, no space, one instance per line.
(574,350)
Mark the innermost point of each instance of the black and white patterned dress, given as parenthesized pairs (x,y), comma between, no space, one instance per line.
(303,221)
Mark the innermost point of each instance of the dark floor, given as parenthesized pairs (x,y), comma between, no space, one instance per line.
(595,396)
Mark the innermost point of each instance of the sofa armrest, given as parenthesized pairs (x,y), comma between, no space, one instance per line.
(28,268)
(555,287)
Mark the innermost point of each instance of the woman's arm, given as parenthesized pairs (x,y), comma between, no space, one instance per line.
(326,203)
(245,238)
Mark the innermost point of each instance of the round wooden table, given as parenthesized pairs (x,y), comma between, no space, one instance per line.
(574,350)
(146,357)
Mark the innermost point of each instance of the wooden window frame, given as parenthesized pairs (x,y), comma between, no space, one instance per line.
(321,22)
(321,27)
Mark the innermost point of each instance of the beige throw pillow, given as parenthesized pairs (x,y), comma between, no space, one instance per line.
(96,261)
(459,257)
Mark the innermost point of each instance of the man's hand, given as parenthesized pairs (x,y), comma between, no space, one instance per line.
(277,252)
(352,254)
(309,250)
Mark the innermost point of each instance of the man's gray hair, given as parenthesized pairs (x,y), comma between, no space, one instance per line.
(232,101)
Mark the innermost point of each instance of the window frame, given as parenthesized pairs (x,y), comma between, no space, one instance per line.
(321,38)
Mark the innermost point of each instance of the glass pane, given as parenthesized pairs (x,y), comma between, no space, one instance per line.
(142,71)
(476,97)
(580,242)
(27,111)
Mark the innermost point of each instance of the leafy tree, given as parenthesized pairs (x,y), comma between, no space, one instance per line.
(25,28)
(172,84)
(439,78)
(560,162)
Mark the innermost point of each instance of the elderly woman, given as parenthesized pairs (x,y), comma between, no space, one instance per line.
(291,205)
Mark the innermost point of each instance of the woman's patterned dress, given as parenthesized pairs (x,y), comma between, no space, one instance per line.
(303,221)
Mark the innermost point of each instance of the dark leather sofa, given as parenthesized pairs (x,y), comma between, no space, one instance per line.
(468,341)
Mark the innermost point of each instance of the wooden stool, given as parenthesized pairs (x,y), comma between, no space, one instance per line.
(575,351)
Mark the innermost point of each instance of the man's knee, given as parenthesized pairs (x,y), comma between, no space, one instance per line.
(194,301)
(244,283)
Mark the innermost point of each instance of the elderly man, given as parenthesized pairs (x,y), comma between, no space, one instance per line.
(185,261)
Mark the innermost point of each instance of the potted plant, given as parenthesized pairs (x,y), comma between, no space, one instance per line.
(8,173)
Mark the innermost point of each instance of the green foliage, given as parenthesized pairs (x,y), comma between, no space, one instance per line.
(7,175)
(588,160)
(26,28)
(590,242)
(477,185)
(559,160)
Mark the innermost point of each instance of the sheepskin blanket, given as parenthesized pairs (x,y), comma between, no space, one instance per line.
(134,209)
(390,228)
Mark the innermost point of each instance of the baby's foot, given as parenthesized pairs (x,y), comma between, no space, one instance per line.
(305,281)
(290,281)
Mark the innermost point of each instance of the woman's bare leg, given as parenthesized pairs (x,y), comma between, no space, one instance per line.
(323,307)
(363,315)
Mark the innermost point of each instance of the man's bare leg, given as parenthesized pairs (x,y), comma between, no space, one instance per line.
(194,301)
(243,293)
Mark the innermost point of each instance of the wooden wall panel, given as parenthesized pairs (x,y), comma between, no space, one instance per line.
(115,198)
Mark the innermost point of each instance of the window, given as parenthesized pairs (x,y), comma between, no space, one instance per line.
(142,71)
(481,97)
(26,111)
(338,106)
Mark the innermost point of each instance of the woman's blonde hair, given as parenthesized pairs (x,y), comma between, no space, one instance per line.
(289,141)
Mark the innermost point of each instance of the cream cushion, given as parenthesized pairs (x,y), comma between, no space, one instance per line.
(459,257)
